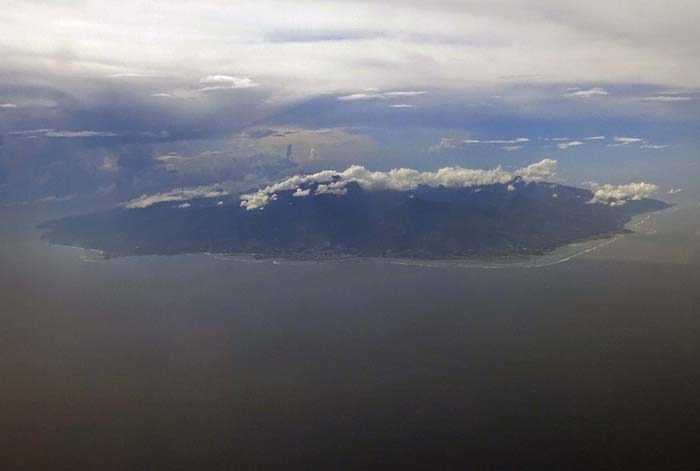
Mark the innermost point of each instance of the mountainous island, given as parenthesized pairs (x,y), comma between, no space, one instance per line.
(514,217)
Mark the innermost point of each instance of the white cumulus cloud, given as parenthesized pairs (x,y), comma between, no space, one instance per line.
(616,195)
(402,179)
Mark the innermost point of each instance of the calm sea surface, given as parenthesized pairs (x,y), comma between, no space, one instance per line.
(585,358)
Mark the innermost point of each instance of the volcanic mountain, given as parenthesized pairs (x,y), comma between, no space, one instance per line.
(516,217)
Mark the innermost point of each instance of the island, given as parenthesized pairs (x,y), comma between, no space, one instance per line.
(517,217)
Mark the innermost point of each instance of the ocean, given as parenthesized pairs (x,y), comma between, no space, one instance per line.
(587,357)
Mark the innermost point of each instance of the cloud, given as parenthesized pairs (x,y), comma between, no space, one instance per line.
(47,132)
(497,141)
(591,92)
(179,194)
(568,145)
(132,75)
(359,96)
(334,188)
(79,134)
(184,205)
(402,105)
(319,36)
(226,82)
(544,170)
(373,94)
(595,138)
(29,132)
(403,94)
(445,143)
(403,179)
(162,95)
(169,158)
(625,141)
(668,98)
(554,40)
(262,133)
(109,166)
(8,105)
(616,195)
(675,191)
(55,199)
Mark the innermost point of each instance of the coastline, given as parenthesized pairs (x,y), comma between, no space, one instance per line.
(548,258)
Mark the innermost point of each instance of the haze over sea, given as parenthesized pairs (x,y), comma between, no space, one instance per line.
(204,362)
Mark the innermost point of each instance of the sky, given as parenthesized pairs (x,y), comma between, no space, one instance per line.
(122,100)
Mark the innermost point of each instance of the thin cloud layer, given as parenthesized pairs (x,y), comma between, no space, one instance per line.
(497,141)
(73,134)
(625,141)
(33,133)
(668,99)
(570,144)
(376,95)
(448,143)
(226,82)
(592,92)
(369,42)
(179,194)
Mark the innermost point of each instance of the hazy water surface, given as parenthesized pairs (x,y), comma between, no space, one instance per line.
(200,362)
